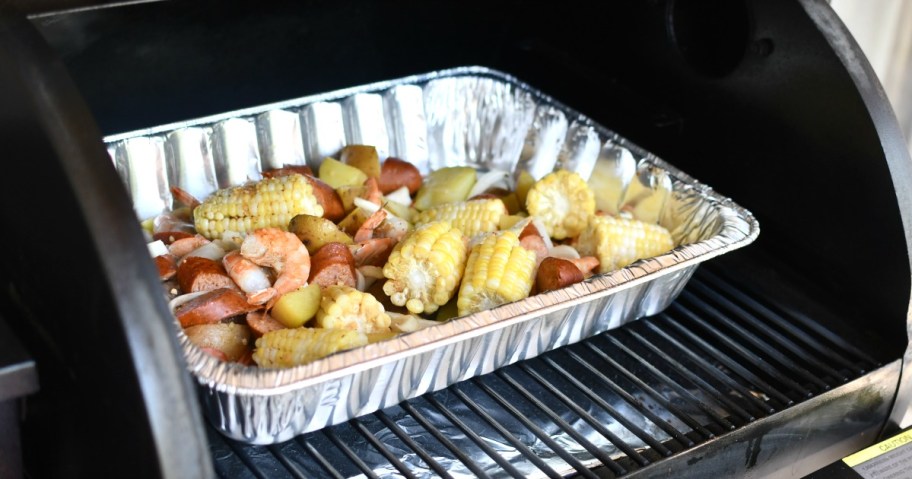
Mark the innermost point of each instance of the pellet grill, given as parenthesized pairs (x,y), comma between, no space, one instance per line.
(775,360)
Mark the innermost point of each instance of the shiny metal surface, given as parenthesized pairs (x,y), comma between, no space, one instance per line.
(472,116)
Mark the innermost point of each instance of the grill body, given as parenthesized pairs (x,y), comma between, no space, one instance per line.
(776,360)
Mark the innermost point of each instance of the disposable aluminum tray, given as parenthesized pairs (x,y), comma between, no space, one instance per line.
(465,116)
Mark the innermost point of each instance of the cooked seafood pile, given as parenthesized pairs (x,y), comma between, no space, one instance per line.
(290,268)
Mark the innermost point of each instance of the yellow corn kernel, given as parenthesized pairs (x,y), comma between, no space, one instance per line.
(424,269)
(498,271)
(285,348)
(617,241)
(470,217)
(270,202)
(344,307)
(563,201)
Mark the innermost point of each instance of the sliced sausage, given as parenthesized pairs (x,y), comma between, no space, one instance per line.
(261,322)
(333,264)
(167,266)
(202,274)
(288,170)
(328,199)
(212,307)
(396,173)
(556,273)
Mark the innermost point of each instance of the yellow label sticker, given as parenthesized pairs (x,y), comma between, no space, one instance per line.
(882,447)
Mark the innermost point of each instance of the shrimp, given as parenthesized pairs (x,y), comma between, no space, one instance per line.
(250,277)
(283,252)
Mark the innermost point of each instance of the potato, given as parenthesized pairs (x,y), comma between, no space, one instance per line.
(348,193)
(523,185)
(362,157)
(446,185)
(315,232)
(297,307)
(231,339)
(337,174)
(350,224)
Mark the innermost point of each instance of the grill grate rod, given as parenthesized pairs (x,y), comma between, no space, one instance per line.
(601,377)
(522,448)
(710,369)
(393,460)
(326,465)
(414,446)
(731,364)
(542,435)
(499,459)
(620,418)
(458,453)
(775,336)
(771,352)
(365,469)
(599,427)
(695,379)
(686,418)
(746,353)
(665,379)
(767,312)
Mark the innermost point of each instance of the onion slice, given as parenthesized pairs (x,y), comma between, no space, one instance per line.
(493,178)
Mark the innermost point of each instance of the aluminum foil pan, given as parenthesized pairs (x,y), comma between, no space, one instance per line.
(465,116)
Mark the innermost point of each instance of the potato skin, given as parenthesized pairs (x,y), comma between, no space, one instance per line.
(362,157)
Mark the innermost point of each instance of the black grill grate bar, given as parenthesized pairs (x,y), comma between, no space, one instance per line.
(728,362)
(499,459)
(819,330)
(365,469)
(606,460)
(745,353)
(507,435)
(775,336)
(668,381)
(414,446)
(620,418)
(745,335)
(230,463)
(685,418)
(542,435)
(325,464)
(458,453)
(694,378)
(599,427)
(389,456)
(710,369)
(598,375)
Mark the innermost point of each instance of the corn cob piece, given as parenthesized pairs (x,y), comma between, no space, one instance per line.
(499,270)
(270,202)
(285,348)
(344,307)
(563,201)
(470,217)
(617,241)
(424,269)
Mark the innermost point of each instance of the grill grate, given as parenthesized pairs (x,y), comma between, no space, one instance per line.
(718,358)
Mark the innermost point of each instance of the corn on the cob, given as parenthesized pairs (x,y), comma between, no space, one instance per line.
(470,217)
(285,348)
(344,307)
(270,202)
(424,269)
(499,270)
(563,201)
(617,241)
